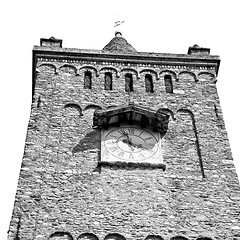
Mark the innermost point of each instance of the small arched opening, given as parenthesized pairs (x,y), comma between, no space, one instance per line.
(87,80)
(128,82)
(148,83)
(108,81)
(168,83)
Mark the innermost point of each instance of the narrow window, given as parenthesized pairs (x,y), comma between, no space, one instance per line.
(128,82)
(88,80)
(168,84)
(108,81)
(148,83)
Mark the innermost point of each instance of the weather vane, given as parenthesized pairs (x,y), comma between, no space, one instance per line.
(118,23)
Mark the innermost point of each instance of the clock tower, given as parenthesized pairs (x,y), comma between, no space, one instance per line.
(125,145)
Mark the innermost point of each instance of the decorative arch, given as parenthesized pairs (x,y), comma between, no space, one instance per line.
(148,70)
(87,236)
(61,236)
(111,106)
(172,73)
(114,236)
(189,73)
(166,111)
(196,137)
(211,76)
(110,69)
(179,238)
(154,237)
(75,106)
(47,67)
(90,68)
(68,69)
(93,106)
(131,70)
(204,238)
(184,110)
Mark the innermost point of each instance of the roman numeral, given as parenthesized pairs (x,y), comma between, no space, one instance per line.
(148,138)
(131,131)
(113,149)
(113,136)
(131,156)
(140,133)
(120,154)
(142,156)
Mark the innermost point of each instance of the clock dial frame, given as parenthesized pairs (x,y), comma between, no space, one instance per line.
(130,143)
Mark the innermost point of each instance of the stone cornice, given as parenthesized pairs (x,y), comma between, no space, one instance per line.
(139,57)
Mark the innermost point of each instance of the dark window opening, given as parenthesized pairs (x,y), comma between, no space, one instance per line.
(148,83)
(108,81)
(128,82)
(168,84)
(88,80)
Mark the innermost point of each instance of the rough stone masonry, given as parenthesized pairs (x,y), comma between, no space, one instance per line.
(63,192)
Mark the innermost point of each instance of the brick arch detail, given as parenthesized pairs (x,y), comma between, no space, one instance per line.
(89,68)
(196,137)
(75,106)
(93,106)
(179,238)
(168,72)
(111,106)
(110,69)
(154,237)
(115,236)
(212,76)
(65,66)
(131,70)
(204,238)
(52,66)
(190,73)
(167,111)
(67,235)
(89,236)
(149,71)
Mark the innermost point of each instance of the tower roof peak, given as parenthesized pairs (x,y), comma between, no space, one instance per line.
(119,44)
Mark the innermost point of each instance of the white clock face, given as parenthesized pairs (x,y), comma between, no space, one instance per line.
(130,143)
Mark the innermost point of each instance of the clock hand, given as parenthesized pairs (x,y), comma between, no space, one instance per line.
(134,144)
(128,141)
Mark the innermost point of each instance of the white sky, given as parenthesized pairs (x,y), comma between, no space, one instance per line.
(164,26)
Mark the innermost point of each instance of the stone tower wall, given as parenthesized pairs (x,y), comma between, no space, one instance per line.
(62,194)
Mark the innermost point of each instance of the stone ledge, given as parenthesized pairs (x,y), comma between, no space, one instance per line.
(132,165)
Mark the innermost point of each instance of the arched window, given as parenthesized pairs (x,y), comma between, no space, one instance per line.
(88,80)
(87,236)
(154,237)
(148,83)
(61,236)
(108,81)
(179,238)
(128,82)
(114,236)
(168,84)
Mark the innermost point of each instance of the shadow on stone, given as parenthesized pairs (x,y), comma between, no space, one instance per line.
(90,141)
